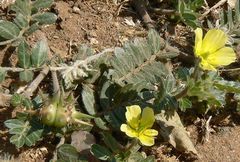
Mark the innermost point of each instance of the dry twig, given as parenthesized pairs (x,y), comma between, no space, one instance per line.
(212,8)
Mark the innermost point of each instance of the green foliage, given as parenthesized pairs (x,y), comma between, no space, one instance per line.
(8,30)
(111,142)
(2,75)
(26,75)
(89,99)
(167,90)
(42,3)
(184,103)
(20,100)
(230,20)
(26,21)
(187,12)
(39,53)
(24,132)
(139,157)
(67,152)
(100,152)
(205,90)
(24,55)
(45,18)
(137,62)
(210,88)
(29,59)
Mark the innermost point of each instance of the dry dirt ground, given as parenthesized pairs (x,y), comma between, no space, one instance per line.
(102,25)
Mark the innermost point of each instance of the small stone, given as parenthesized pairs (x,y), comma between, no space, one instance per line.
(76,10)
(55,37)
(93,41)
(82,140)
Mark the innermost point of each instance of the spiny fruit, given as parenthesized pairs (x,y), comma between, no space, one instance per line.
(58,113)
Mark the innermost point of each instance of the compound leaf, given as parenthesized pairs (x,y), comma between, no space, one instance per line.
(24,132)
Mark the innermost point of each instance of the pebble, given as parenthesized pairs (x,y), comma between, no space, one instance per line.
(76,10)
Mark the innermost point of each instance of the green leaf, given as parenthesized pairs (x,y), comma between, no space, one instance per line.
(83,52)
(16,100)
(88,99)
(45,18)
(17,140)
(42,3)
(27,103)
(22,6)
(154,40)
(3,74)
(101,123)
(167,89)
(181,6)
(21,21)
(139,157)
(8,30)
(32,29)
(189,16)
(111,142)
(35,133)
(100,152)
(183,73)
(184,104)
(26,75)
(149,159)
(24,55)
(191,23)
(137,62)
(39,53)
(228,86)
(13,123)
(67,152)
(25,132)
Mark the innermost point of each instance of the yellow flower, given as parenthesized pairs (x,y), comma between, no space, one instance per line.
(211,50)
(138,125)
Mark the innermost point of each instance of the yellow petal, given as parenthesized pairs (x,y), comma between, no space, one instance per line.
(213,40)
(224,56)
(133,115)
(146,140)
(147,119)
(128,130)
(198,41)
(150,132)
(205,65)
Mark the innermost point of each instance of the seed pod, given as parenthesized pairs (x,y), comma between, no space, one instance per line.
(48,114)
(61,118)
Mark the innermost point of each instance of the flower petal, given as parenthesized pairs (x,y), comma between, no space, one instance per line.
(224,56)
(128,130)
(133,115)
(205,65)
(147,119)
(198,41)
(146,140)
(213,40)
(150,132)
